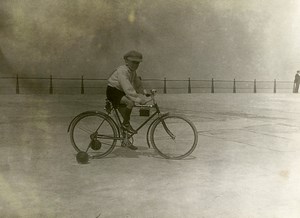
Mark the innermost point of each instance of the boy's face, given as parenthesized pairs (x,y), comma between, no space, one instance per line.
(133,65)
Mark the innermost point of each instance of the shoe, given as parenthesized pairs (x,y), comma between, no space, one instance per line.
(129,145)
(127,127)
(132,147)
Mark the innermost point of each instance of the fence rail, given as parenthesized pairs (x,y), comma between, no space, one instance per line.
(81,85)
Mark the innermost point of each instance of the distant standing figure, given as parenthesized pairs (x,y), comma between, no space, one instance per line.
(297,82)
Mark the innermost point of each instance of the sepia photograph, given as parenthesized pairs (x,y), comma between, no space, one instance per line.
(150,109)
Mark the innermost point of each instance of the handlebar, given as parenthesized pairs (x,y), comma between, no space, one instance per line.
(151,94)
(153,91)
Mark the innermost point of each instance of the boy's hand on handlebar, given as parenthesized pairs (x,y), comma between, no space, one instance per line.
(146,93)
(151,93)
(145,97)
(142,99)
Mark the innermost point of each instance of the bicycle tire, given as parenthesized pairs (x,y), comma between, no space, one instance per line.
(149,129)
(178,147)
(84,137)
(148,133)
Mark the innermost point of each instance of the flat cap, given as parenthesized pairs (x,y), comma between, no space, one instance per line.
(133,56)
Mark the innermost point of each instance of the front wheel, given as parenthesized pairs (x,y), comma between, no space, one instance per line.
(94,133)
(174,137)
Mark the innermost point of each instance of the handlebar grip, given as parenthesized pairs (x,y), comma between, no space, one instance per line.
(148,95)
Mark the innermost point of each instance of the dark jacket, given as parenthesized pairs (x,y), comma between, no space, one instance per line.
(297,78)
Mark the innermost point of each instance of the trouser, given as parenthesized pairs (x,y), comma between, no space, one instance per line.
(118,97)
(125,112)
(296,87)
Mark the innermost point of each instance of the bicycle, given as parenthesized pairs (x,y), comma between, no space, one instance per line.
(96,133)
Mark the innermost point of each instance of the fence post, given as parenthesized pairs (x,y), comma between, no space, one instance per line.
(51,86)
(17,85)
(189,86)
(212,86)
(254,86)
(274,85)
(234,88)
(82,85)
(165,85)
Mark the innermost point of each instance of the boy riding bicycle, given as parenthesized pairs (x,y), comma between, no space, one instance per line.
(124,88)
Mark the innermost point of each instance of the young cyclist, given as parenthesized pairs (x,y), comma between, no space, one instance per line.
(124,87)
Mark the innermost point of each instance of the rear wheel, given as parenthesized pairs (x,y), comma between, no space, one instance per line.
(94,133)
(174,137)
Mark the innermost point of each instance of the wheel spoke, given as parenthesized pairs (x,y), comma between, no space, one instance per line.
(84,129)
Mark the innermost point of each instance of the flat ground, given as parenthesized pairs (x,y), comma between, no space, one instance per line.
(246,163)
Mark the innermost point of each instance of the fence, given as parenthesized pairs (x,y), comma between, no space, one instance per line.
(81,85)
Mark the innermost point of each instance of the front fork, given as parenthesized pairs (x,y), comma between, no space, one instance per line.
(167,130)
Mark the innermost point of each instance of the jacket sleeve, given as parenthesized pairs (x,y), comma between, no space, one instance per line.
(128,88)
(138,85)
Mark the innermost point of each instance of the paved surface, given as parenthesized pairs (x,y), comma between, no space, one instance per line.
(246,164)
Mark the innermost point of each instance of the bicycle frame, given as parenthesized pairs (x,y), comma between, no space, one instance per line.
(103,130)
(117,122)
(126,135)
(144,123)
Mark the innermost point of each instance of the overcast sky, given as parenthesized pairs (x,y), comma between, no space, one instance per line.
(201,39)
